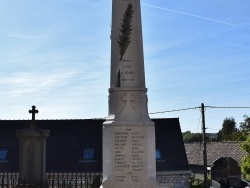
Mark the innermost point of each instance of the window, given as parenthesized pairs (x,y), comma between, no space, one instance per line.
(88,154)
(158,154)
(3,154)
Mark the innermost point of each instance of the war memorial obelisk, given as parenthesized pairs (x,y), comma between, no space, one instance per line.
(128,133)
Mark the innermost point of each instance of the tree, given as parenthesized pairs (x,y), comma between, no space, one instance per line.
(228,128)
(187,136)
(192,137)
(237,136)
(245,126)
(245,164)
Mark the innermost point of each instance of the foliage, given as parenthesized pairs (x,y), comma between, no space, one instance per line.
(234,136)
(191,137)
(245,126)
(245,165)
(237,136)
(197,183)
(228,130)
(228,126)
(126,29)
(197,137)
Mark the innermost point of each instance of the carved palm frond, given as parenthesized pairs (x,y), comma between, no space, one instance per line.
(125,29)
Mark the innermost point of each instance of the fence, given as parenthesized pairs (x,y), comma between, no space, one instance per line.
(53,180)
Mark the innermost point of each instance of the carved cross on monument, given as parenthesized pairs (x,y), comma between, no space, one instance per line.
(128,108)
(33,112)
(128,98)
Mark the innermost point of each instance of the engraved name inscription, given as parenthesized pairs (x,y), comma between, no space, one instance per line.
(128,155)
(127,72)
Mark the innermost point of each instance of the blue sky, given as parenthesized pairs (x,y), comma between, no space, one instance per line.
(55,54)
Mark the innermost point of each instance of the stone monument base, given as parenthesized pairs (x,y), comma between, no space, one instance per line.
(129,154)
(109,184)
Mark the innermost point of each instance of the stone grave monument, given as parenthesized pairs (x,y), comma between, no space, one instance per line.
(32,153)
(128,133)
(226,171)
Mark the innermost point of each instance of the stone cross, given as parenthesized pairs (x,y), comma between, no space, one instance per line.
(33,112)
(128,98)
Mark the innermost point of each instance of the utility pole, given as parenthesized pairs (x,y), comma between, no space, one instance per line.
(204,145)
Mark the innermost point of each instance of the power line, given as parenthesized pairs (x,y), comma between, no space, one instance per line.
(174,110)
(167,111)
(227,107)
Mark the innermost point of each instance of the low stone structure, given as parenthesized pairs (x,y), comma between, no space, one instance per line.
(32,153)
(215,150)
(226,171)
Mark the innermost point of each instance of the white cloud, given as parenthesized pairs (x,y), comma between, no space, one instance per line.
(20,84)
(27,36)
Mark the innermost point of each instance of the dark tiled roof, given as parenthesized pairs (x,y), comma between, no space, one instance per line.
(68,138)
(215,150)
(169,140)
